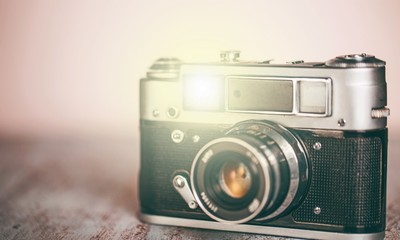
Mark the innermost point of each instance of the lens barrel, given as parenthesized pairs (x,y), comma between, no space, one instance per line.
(257,171)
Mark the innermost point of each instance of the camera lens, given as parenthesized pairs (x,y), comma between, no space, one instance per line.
(258,170)
(235,179)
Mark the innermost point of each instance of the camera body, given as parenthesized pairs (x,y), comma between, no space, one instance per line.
(296,149)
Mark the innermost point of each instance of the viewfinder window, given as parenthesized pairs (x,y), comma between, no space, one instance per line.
(313,97)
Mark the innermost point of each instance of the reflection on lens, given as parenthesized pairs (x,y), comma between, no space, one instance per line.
(235,179)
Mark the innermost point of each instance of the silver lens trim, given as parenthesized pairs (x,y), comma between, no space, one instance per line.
(293,152)
(292,158)
(265,170)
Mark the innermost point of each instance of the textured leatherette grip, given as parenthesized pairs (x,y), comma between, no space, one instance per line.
(346,182)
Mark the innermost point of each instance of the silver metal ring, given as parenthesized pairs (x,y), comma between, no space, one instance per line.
(264,168)
(293,162)
(293,152)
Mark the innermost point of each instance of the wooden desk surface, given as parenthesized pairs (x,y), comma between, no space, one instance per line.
(86,189)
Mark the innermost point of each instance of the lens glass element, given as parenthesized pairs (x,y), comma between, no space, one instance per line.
(235,179)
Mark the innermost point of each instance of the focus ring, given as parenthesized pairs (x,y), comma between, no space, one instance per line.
(270,153)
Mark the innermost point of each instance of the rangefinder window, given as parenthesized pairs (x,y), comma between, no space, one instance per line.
(260,94)
(203,92)
(313,96)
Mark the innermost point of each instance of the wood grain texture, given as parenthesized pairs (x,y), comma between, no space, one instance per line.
(86,189)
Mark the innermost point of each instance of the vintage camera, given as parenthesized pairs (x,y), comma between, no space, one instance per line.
(296,149)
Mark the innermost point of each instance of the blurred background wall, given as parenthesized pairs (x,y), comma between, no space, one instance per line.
(73,67)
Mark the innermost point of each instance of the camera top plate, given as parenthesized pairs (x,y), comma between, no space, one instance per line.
(168,68)
(345,93)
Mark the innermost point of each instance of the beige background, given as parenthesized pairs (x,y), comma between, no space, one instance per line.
(73,67)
